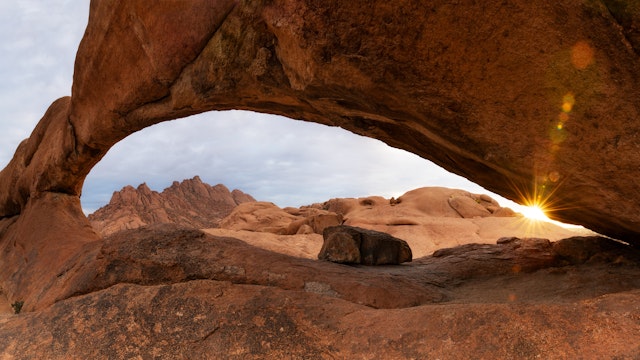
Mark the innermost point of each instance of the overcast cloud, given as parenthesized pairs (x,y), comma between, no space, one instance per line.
(290,163)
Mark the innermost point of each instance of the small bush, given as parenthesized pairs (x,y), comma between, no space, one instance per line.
(17,306)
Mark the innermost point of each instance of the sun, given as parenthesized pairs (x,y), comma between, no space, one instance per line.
(534,212)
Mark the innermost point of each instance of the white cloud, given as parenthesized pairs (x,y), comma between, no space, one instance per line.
(289,162)
(39,40)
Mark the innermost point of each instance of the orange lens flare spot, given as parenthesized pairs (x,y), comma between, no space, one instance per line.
(567,102)
(582,55)
(554,176)
(563,117)
(569,98)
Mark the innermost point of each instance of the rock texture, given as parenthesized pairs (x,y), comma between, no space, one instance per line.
(352,245)
(172,292)
(424,217)
(268,217)
(547,121)
(189,203)
(536,102)
(430,218)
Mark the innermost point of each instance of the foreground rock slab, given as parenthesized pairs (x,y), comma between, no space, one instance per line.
(202,319)
(178,293)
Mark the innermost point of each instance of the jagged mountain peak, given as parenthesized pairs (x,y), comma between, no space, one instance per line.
(191,202)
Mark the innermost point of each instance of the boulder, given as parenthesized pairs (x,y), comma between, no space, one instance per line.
(258,216)
(353,245)
(268,217)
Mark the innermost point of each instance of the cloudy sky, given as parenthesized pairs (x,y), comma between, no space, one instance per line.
(290,163)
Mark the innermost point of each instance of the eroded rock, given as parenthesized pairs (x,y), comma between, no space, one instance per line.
(353,245)
(531,101)
(188,203)
(360,76)
(178,292)
(427,221)
(268,217)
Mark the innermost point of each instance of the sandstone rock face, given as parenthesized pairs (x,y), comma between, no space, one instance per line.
(176,292)
(431,218)
(189,203)
(352,245)
(532,101)
(268,217)
(550,121)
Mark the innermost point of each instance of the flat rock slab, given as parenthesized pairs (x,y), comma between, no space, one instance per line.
(177,293)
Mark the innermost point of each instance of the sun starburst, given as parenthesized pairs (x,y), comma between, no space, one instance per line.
(535,212)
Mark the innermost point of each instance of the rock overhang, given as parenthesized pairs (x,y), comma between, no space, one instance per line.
(536,102)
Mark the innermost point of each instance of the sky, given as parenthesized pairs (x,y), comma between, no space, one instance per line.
(287,162)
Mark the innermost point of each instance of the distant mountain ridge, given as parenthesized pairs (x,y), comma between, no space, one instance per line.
(190,203)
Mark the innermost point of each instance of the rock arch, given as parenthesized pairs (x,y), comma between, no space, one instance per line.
(527,100)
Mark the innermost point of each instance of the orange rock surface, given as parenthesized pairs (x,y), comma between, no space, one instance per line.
(531,100)
(189,203)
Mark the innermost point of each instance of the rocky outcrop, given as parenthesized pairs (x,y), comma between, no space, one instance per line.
(178,292)
(431,218)
(188,203)
(425,218)
(548,122)
(352,245)
(536,102)
(268,217)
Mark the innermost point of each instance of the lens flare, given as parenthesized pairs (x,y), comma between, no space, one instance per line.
(582,55)
(563,117)
(567,102)
(541,200)
(535,212)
